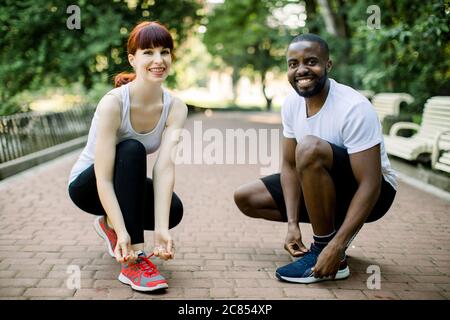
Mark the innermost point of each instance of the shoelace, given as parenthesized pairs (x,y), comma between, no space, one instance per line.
(146,265)
(307,261)
(308,258)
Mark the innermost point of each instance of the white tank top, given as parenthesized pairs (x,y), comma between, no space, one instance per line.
(151,140)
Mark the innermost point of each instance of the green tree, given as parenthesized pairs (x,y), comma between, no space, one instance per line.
(409,52)
(245,35)
(37,48)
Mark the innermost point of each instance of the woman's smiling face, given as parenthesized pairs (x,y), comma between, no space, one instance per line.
(152,64)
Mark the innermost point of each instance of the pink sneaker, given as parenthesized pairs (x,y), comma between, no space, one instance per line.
(106,233)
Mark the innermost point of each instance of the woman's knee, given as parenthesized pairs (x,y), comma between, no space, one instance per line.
(131,147)
(130,163)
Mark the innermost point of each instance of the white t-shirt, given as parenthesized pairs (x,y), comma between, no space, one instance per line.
(347,119)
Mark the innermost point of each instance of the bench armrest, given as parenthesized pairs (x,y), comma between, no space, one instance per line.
(436,149)
(403,125)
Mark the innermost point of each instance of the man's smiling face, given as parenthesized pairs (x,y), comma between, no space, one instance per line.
(308,67)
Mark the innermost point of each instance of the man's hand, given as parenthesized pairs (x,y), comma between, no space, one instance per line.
(293,243)
(328,262)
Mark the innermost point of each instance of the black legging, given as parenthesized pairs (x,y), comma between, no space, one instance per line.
(134,191)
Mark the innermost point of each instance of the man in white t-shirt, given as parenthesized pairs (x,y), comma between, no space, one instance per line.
(335,173)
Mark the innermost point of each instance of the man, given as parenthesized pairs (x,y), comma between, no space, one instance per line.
(335,173)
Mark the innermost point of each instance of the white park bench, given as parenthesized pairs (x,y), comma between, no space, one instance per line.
(440,158)
(387,104)
(435,119)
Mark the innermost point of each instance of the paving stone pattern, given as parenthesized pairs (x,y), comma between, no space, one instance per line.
(221,254)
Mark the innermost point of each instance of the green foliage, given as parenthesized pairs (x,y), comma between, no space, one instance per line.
(409,53)
(11,107)
(193,63)
(240,33)
(38,50)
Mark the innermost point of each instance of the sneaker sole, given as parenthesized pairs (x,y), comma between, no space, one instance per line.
(342,274)
(103,235)
(125,280)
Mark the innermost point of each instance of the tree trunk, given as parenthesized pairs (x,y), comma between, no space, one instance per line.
(311,12)
(328,17)
(268,99)
(335,22)
(234,80)
(341,18)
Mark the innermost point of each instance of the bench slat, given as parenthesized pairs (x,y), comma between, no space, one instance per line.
(436,118)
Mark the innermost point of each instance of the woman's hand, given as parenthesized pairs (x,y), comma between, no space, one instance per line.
(123,251)
(164,247)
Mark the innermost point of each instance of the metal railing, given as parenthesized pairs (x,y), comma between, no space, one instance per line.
(25,133)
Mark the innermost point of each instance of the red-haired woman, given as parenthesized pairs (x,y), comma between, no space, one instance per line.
(109,178)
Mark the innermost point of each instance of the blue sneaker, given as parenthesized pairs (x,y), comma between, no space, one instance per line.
(300,271)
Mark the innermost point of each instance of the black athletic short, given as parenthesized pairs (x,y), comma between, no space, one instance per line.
(345,185)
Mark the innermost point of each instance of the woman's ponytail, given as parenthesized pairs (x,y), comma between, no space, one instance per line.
(123,78)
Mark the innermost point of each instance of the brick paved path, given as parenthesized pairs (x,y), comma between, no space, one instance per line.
(220,253)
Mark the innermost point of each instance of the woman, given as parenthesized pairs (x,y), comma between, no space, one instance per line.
(109,179)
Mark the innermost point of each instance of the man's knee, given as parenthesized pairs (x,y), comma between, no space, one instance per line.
(243,200)
(311,152)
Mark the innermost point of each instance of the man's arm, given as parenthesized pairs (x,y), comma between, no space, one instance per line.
(292,195)
(366,167)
